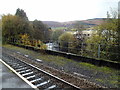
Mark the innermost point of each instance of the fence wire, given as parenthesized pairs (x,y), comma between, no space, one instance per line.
(101,51)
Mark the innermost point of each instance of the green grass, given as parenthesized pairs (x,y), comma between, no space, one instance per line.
(100,80)
(59,59)
(59,28)
(113,79)
(116,83)
(102,69)
(46,57)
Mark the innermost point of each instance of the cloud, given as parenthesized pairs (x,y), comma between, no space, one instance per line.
(58,10)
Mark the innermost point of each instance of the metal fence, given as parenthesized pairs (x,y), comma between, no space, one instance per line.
(101,51)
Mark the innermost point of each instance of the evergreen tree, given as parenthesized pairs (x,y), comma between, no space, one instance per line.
(21,13)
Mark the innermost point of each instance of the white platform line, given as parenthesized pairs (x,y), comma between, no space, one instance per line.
(33,86)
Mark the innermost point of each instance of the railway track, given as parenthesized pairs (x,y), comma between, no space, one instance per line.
(37,77)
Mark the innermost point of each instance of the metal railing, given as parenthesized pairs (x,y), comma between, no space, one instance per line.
(100,51)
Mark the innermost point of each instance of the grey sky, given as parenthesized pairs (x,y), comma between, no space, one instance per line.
(59,10)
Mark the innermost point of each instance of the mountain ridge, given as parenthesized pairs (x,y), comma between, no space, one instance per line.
(90,22)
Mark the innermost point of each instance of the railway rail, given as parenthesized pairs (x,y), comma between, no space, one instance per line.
(37,77)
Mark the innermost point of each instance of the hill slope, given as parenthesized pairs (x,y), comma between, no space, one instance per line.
(90,22)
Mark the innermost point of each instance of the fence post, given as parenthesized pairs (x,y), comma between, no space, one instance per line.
(98,50)
(36,43)
(58,45)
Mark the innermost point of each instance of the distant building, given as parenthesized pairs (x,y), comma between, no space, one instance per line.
(83,34)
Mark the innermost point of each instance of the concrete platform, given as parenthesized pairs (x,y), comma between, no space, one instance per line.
(10,81)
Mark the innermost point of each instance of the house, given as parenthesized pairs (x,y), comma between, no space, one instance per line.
(81,35)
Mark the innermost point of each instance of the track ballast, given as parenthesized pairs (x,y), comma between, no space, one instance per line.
(36,76)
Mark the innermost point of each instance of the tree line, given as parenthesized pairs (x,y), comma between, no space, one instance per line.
(14,26)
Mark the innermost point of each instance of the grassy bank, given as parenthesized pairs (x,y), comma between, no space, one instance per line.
(112,74)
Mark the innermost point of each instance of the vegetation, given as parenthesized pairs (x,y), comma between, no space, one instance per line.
(32,43)
(20,13)
(56,34)
(41,31)
(101,69)
(59,61)
(103,43)
(106,35)
(59,28)
(78,26)
(18,29)
(24,39)
(12,26)
(0,32)
(43,56)
(67,41)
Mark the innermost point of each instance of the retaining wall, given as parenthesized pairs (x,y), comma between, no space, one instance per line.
(75,57)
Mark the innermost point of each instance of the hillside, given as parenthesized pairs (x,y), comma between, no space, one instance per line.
(96,21)
(53,23)
(89,22)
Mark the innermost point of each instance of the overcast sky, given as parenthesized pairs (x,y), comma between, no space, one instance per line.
(59,10)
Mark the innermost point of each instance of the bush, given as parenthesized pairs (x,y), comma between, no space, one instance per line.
(67,42)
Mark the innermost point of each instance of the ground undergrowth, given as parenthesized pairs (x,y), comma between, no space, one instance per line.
(102,75)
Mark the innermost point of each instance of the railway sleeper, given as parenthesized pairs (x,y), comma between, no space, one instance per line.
(25,71)
(17,67)
(46,85)
(42,83)
(51,87)
(22,69)
(36,77)
(29,75)
(36,80)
